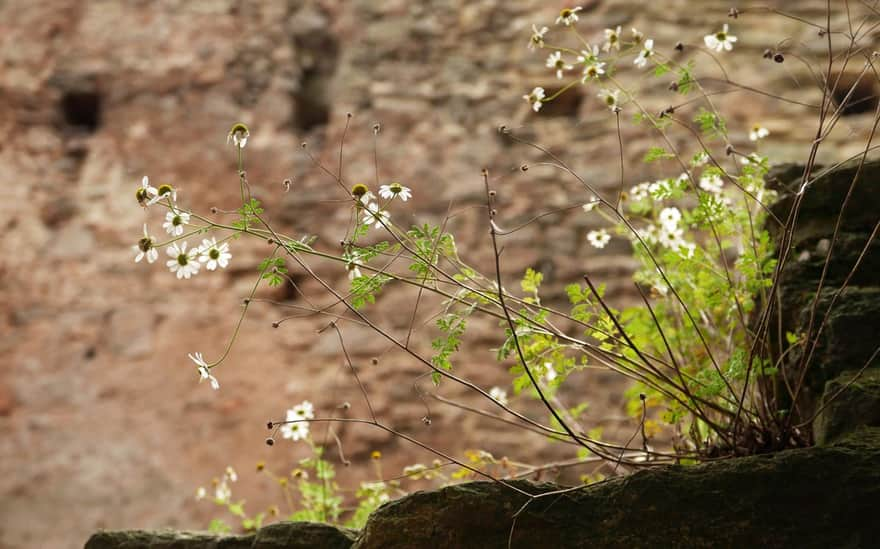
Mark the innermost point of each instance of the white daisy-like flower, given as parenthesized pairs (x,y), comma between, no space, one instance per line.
(549,372)
(352,264)
(637,36)
(593,71)
(639,192)
(611,98)
(145,193)
(184,262)
(298,426)
(591,205)
(712,183)
(499,395)
(146,247)
(670,237)
(649,234)
(700,159)
(204,370)
(568,16)
(686,249)
(164,191)
(589,55)
(753,158)
(375,216)
(537,38)
(555,61)
(642,59)
(758,132)
(213,254)
(222,492)
(599,238)
(669,217)
(201,493)
(535,98)
(174,222)
(612,39)
(720,40)
(660,189)
(395,190)
(238,135)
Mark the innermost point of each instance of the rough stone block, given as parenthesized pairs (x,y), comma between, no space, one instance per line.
(856,405)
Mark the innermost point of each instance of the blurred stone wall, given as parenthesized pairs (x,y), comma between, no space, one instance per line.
(102,423)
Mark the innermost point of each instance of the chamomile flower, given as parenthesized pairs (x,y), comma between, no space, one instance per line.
(568,16)
(549,372)
(720,40)
(183,262)
(700,159)
(753,158)
(589,55)
(499,395)
(374,216)
(213,254)
(555,61)
(686,249)
(758,132)
(670,237)
(145,193)
(174,222)
(395,190)
(535,98)
(164,191)
(669,217)
(612,39)
(712,183)
(591,205)
(599,238)
(639,192)
(647,51)
(637,36)
(611,98)
(238,135)
(222,493)
(298,426)
(201,493)
(537,38)
(593,71)
(204,370)
(352,264)
(231,474)
(146,247)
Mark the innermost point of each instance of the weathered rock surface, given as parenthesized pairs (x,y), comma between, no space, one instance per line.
(851,400)
(814,497)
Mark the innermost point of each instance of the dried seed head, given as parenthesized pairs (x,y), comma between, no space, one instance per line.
(779,58)
(270,441)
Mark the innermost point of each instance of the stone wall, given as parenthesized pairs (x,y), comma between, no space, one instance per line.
(101,421)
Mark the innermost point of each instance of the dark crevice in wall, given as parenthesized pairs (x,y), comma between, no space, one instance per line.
(81,110)
(863,92)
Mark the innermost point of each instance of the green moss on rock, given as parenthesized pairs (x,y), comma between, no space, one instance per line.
(815,497)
